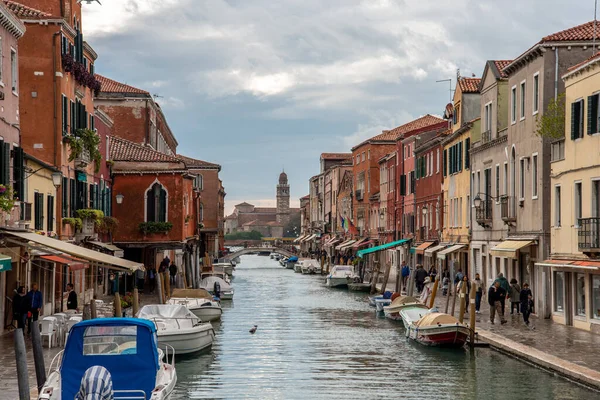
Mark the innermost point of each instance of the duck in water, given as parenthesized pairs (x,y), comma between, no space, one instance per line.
(254,328)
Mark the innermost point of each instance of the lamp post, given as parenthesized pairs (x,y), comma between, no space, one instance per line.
(119,198)
(57,179)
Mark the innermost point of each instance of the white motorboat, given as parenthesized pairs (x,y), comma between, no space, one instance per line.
(198,301)
(311,267)
(283,261)
(178,327)
(227,268)
(340,276)
(209,282)
(298,266)
(217,271)
(413,312)
(393,310)
(380,303)
(126,347)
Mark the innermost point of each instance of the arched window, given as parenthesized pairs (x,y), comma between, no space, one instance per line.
(156,204)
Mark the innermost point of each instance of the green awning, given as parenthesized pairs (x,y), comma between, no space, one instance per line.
(5,263)
(413,250)
(381,247)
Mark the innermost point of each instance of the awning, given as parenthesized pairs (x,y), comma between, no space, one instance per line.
(359,242)
(509,248)
(333,242)
(117,251)
(298,239)
(309,238)
(571,264)
(73,264)
(381,247)
(429,252)
(442,254)
(77,251)
(5,263)
(347,242)
(362,244)
(421,248)
(348,245)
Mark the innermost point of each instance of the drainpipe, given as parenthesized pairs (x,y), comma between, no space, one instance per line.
(555,73)
(54,92)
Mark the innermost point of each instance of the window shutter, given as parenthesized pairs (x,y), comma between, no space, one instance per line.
(460,155)
(573,124)
(65,197)
(162,206)
(445,168)
(6,165)
(451,166)
(109,202)
(50,223)
(18,173)
(590,111)
(467,155)
(403,185)
(92,197)
(72,197)
(97,191)
(84,190)
(73,119)
(150,206)
(412,181)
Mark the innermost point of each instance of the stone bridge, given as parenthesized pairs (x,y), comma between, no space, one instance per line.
(249,250)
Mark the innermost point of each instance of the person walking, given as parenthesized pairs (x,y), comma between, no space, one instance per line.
(515,296)
(140,277)
(479,293)
(467,283)
(20,307)
(495,294)
(173,273)
(504,285)
(35,302)
(152,279)
(459,276)
(420,276)
(526,301)
(72,298)
(405,271)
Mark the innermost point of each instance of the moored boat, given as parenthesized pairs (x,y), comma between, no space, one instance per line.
(178,327)
(298,266)
(198,301)
(393,310)
(289,264)
(126,347)
(225,267)
(438,329)
(208,284)
(413,312)
(340,276)
(310,267)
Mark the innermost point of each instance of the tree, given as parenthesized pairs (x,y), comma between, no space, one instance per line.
(292,228)
(551,124)
(252,235)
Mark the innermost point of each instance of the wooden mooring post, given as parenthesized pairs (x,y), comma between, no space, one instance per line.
(21,358)
(455,296)
(386,276)
(118,312)
(38,355)
(93,309)
(159,287)
(434,291)
(136,302)
(463,301)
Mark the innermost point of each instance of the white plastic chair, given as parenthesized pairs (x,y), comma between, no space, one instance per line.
(69,325)
(48,330)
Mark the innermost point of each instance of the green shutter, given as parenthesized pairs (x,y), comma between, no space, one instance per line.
(467,155)
(403,185)
(65,197)
(573,124)
(162,206)
(72,197)
(97,191)
(50,223)
(6,165)
(18,173)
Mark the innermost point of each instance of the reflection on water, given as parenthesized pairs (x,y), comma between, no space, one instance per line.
(313,342)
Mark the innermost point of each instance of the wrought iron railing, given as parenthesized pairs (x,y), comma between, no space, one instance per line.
(508,208)
(589,234)
(483,213)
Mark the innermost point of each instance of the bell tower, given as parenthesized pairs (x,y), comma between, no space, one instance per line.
(283,199)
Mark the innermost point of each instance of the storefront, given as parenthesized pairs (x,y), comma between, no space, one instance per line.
(455,258)
(420,253)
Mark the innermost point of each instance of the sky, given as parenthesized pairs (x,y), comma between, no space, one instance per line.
(258,86)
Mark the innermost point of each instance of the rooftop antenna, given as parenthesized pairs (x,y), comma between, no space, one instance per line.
(157,96)
(88,1)
(595,22)
(449,80)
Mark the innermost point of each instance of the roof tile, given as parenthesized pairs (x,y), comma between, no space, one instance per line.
(125,150)
(501,64)
(112,86)
(23,11)
(336,156)
(469,85)
(193,162)
(580,32)
(592,58)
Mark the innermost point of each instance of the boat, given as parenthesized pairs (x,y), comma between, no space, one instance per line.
(311,267)
(340,276)
(359,287)
(264,253)
(178,327)
(126,347)
(393,310)
(298,266)
(225,267)
(289,264)
(216,271)
(283,261)
(381,303)
(272,256)
(385,296)
(413,312)
(208,284)
(198,301)
(438,329)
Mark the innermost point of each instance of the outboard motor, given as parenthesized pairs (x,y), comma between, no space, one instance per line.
(96,384)
(217,289)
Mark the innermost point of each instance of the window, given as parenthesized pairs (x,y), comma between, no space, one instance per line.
(557,210)
(522,100)
(65,115)
(596,198)
(497,183)
(577,205)
(467,209)
(596,296)
(513,104)
(534,176)
(50,224)
(522,180)
(1,57)
(577,120)
(580,282)
(536,93)
(437,161)
(445,161)
(363,156)
(559,285)
(431,163)
(487,121)
(14,69)
(156,203)
(201,212)
(199,182)
(39,211)
(73,118)
(505,179)
(467,155)
(368,154)
(593,114)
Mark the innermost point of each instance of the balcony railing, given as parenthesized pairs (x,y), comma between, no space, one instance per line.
(486,136)
(83,159)
(589,235)
(483,213)
(508,207)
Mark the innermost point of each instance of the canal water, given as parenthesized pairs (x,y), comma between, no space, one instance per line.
(314,342)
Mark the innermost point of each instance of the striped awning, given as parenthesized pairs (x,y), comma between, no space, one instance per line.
(363,243)
(299,239)
(74,264)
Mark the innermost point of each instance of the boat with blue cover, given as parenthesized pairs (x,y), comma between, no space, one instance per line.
(126,347)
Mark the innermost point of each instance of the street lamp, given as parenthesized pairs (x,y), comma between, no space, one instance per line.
(119,198)
(57,179)
(425,210)
(477,201)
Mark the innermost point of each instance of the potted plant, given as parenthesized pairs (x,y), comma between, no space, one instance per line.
(7,198)
(155,227)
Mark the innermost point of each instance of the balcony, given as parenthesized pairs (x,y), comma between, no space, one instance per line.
(508,207)
(589,235)
(83,159)
(486,137)
(483,213)
(359,194)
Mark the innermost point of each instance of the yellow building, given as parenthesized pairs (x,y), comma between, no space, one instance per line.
(575,197)
(38,208)
(456,187)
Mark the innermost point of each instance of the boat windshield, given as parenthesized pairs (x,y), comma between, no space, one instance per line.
(342,268)
(109,340)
